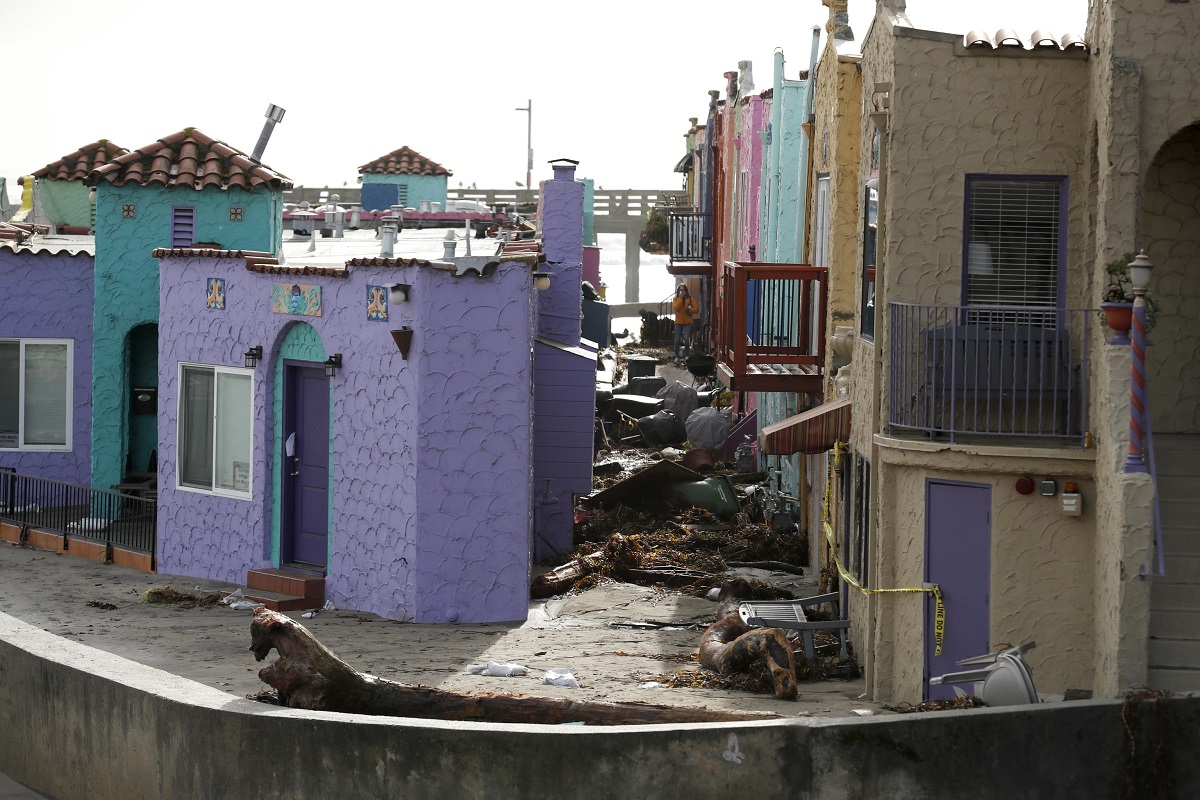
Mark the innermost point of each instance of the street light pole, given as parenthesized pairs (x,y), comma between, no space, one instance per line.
(1139,275)
(528,143)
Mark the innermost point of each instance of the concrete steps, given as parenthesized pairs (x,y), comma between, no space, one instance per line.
(1174,647)
(285,590)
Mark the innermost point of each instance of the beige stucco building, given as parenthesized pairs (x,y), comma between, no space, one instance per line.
(989,406)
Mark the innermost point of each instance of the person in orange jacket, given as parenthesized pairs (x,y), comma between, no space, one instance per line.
(685,309)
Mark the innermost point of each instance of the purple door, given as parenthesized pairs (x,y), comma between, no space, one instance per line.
(958,536)
(305,534)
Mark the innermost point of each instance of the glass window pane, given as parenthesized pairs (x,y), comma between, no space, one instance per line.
(233,445)
(10,394)
(46,394)
(196,428)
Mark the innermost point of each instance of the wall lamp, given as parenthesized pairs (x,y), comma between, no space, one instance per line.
(399,292)
(541,280)
(254,356)
(333,364)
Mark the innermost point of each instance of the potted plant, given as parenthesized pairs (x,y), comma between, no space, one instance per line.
(1117,300)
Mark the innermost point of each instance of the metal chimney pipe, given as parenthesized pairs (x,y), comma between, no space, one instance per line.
(388,228)
(274,115)
(450,243)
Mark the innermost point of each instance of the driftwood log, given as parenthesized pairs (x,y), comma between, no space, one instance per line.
(308,675)
(729,645)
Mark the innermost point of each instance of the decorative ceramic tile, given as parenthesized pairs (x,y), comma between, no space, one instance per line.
(302,299)
(129,210)
(235,213)
(377,303)
(216,294)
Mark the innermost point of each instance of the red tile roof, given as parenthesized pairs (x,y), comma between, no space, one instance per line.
(191,159)
(21,231)
(380,261)
(404,161)
(75,166)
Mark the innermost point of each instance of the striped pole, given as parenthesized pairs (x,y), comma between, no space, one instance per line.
(1140,273)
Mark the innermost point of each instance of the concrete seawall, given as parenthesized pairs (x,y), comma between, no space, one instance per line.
(76,722)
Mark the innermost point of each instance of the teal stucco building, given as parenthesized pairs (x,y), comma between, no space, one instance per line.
(402,177)
(183,190)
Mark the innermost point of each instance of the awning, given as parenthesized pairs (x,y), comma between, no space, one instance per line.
(684,163)
(814,431)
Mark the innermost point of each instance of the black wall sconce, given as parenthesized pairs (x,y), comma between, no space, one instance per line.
(254,356)
(333,364)
(399,292)
(541,280)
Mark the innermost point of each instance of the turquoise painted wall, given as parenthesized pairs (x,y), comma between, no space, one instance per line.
(420,187)
(301,342)
(127,287)
(589,212)
(783,216)
(66,202)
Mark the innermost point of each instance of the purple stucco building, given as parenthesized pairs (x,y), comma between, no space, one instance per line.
(424,499)
(46,303)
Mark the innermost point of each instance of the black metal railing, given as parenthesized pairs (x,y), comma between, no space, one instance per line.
(79,512)
(989,370)
(690,239)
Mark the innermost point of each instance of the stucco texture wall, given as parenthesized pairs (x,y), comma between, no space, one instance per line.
(49,296)
(430,455)
(127,284)
(752,122)
(66,202)
(1041,564)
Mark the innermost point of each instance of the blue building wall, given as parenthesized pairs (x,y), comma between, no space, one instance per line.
(379,191)
(126,289)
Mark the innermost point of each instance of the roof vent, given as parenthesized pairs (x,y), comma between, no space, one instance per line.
(274,115)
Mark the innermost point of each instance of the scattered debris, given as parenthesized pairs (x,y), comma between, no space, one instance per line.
(729,645)
(170,596)
(100,604)
(560,677)
(493,669)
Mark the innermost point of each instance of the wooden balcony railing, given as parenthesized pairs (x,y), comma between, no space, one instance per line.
(690,244)
(771,327)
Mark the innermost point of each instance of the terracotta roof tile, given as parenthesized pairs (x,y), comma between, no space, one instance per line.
(379,261)
(75,166)
(404,161)
(21,231)
(192,159)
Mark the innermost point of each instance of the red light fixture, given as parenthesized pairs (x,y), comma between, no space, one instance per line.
(1024,486)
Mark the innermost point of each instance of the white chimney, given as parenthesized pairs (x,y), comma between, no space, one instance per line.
(450,243)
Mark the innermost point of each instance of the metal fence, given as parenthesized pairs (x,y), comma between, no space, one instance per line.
(79,512)
(989,370)
(690,239)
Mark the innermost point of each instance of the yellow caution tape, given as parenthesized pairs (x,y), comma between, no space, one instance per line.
(939,626)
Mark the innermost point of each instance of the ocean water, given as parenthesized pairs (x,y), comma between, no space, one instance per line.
(655,284)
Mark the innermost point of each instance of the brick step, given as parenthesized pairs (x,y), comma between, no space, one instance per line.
(282,602)
(307,585)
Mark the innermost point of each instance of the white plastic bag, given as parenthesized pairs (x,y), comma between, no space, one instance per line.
(560,677)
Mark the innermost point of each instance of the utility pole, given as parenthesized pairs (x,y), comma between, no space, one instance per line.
(528,143)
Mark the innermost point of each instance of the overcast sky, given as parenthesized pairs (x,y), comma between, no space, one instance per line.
(612,83)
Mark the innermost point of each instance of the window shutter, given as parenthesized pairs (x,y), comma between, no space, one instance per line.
(183,226)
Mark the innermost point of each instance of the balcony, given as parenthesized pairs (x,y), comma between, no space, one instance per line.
(989,371)
(690,243)
(771,327)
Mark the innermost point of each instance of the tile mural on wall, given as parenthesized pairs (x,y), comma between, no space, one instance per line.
(215,294)
(302,299)
(377,303)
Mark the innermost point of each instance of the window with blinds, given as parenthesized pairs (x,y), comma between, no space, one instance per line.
(36,383)
(216,415)
(1013,251)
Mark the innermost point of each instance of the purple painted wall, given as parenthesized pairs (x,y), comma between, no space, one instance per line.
(431,457)
(47,293)
(565,410)
(560,215)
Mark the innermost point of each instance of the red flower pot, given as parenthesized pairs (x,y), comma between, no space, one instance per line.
(1119,317)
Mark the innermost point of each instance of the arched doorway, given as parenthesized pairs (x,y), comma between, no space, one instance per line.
(1170,234)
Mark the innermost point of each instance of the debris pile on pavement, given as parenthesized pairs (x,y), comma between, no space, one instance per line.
(170,596)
